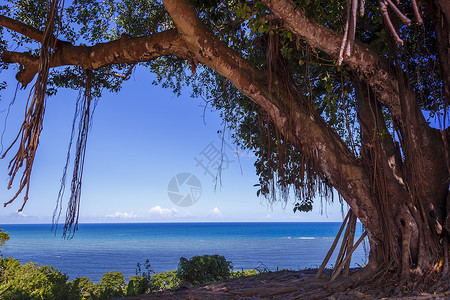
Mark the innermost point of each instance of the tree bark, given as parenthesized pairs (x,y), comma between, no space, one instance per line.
(440,12)
(127,50)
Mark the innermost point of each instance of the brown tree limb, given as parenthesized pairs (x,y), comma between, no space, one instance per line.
(125,50)
(405,20)
(362,4)
(352,30)
(26,30)
(22,28)
(388,22)
(345,37)
(416,12)
(30,63)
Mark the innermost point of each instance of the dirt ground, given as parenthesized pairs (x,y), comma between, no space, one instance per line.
(278,285)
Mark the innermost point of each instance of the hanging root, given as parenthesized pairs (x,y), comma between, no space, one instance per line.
(350,24)
(333,246)
(58,208)
(73,208)
(29,132)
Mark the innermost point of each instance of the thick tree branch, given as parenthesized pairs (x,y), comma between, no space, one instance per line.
(364,61)
(125,50)
(388,22)
(26,30)
(287,108)
(22,28)
(30,63)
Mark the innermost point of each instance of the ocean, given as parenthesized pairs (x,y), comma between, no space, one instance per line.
(100,248)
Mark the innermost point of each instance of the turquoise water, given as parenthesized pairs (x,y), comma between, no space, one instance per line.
(99,248)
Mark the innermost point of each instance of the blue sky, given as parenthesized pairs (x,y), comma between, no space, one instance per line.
(140,139)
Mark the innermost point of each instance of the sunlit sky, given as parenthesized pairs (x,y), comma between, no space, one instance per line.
(140,139)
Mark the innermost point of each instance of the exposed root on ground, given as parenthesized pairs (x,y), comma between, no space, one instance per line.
(300,285)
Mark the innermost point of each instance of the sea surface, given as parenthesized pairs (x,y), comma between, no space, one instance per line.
(100,248)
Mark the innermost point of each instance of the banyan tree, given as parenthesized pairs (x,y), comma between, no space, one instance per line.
(335,98)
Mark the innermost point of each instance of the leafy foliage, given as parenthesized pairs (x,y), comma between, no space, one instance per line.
(28,281)
(111,285)
(303,207)
(203,269)
(243,273)
(141,283)
(165,281)
(85,287)
(4,236)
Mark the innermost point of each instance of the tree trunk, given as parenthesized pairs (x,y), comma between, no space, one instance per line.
(409,181)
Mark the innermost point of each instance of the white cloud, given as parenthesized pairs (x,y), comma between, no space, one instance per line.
(163,212)
(215,212)
(268,216)
(122,215)
(160,212)
(17,214)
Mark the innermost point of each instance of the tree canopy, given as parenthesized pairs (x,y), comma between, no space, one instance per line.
(328,95)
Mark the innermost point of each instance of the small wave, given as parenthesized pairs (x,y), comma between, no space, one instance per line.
(309,238)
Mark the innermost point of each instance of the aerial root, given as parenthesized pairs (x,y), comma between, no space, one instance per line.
(355,284)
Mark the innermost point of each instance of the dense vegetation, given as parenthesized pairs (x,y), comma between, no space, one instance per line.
(30,281)
(204,269)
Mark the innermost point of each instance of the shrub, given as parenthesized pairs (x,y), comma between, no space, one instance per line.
(165,281)
(28,281)
(111,285)
(3,238)
(141,283)
(243,273)
(203,269)
(85,287)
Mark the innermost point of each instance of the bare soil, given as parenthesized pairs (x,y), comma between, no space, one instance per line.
(283,285)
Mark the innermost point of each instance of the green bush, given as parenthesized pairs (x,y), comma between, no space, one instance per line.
(203,269)
(141,283)
(165,281)
(85,287)
(243,273)
(3,238)
(28,281)
(111,285)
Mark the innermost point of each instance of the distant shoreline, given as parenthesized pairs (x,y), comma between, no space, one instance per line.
(177,222)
